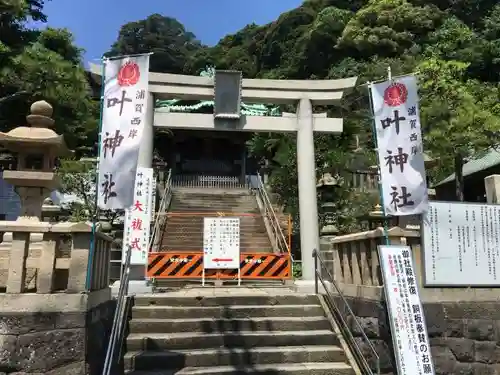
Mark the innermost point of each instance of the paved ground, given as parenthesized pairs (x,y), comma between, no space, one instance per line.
(301,287)
(228,291)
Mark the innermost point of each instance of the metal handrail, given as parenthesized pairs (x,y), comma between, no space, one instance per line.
(319,265)
(165,201)
(281,242)
(118,327)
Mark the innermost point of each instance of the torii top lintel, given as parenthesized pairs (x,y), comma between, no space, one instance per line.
(267,91)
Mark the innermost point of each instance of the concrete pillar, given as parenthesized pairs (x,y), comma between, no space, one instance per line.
(146,149)
(306,168)
(492,187)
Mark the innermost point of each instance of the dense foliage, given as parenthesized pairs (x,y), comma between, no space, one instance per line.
(43,64)
(452,45)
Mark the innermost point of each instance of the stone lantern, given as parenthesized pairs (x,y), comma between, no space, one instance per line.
(37,148)
(327,186)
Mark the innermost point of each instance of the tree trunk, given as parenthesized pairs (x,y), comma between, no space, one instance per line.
(459,177)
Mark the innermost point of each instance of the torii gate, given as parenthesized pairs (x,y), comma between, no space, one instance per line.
(228,89)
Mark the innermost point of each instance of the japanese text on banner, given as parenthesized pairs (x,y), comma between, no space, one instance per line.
(123,116)
(138,219)
(409,332)
(399,146)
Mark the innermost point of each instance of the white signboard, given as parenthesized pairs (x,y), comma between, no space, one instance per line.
(399,146)
(138,219)
(461,244)
(221,243)
(123,116)
(409,332)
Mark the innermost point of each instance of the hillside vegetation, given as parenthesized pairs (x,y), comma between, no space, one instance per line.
(452,45)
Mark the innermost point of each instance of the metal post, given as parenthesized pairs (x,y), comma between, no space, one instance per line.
(316,286)
(308,206)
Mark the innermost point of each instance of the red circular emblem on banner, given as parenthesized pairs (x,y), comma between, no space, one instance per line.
(395,95)
(129,74)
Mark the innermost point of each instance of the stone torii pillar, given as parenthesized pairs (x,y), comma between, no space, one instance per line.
(306,173)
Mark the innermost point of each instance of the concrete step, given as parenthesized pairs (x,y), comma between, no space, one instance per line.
(243,339)
(211,211)
(307,368)
(231,300)
(189,203)
(199,219)
(192,232)
(228,325)
(190,194)
(198,248)
(226,312)
(190,242)
(214,197)
(198,239)
(191,225)
(227,357)
(187,231)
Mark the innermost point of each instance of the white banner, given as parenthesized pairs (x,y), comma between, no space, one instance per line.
(221,243)
(409,331)
(123,117)
(399,146)
(137,225)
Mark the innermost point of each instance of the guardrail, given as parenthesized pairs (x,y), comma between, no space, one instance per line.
(278,239)
(115,344)
(209,181)
(156,233)
(345,316)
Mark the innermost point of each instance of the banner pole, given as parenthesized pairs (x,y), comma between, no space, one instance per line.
(381,193)
(116,57)
(96,213)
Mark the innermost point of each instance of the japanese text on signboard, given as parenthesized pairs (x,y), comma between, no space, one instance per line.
(461,243)
(221,243)
(409,332)
(138,218)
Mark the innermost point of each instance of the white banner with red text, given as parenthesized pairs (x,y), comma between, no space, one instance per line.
(123,115)
(137,227)
(399,146)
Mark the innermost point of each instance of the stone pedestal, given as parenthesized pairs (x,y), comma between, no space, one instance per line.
(55,334)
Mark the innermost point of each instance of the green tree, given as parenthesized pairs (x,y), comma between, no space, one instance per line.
(389,28)
(44,65)
(78,178)
(452,44)
(457,124)
(165,37)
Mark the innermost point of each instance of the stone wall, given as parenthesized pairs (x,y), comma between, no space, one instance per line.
(71,343)
(464,336)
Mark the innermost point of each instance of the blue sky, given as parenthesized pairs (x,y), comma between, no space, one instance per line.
(95,23)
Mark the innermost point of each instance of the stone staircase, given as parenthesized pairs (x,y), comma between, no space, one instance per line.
(232,334)
(183,229)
